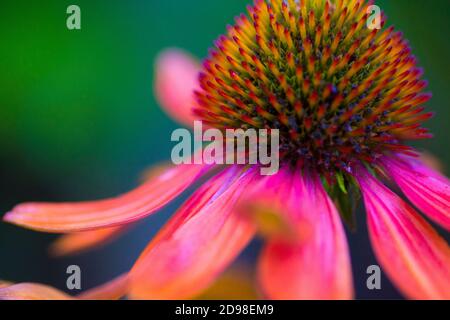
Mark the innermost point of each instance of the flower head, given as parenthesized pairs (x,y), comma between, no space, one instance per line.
(339,92)
(346,100)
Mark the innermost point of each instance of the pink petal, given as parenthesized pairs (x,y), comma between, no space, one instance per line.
(84,216)
(31,291)
(317,266)
(415,257)
(198,242)
(176,81)
(427,189)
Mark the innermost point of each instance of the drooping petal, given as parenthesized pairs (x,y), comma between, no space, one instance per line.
(197,244)
(316,265)
(31,291)
(5,284)
(176,81)
(112,290)
(427,189)
(79,242)
(85,216)
(415,257)
(269,206)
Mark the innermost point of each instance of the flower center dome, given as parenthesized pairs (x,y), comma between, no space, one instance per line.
(339,92)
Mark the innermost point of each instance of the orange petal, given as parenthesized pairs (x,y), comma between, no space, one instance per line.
(112,290)
(84,216)
(75,243)
(176,81)
(198,242)
(5,284)
(31,291)
(317,265)
(415,257)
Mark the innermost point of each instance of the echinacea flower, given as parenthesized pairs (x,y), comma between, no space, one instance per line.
(346,100)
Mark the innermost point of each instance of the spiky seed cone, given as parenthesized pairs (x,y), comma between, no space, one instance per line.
(339,92)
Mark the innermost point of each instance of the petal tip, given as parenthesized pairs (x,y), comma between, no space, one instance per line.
(176,80)
(9,217)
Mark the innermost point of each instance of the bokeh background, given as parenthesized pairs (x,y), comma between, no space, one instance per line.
(78,118)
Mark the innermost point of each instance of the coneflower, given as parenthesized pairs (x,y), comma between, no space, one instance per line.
(346,100)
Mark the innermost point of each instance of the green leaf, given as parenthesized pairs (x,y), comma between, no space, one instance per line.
(341,182)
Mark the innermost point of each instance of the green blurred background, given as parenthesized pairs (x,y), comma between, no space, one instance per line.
(78,118)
